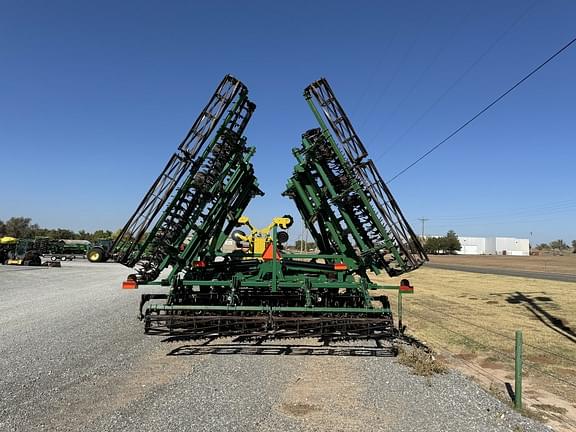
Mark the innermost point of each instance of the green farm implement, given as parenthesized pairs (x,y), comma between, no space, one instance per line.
(176,235)
(19,252)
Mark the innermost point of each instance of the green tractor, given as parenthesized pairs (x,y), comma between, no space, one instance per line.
(100,251)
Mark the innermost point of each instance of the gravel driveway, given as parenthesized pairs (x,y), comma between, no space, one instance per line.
(73,357)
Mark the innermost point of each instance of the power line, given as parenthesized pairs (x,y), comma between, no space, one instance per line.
(374,73)
(494,102)
(397,69)
(497,223)
(539,210)
(423,74)
(456,82)
(423,220)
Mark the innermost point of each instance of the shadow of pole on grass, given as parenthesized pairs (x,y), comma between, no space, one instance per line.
(549,320)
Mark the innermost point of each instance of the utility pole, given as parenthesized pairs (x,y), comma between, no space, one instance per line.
(423,220)
(302,247)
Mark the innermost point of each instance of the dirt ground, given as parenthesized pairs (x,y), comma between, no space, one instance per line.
(471,319)
(565,264)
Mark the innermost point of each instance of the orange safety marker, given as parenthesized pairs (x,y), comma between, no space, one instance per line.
(267,255)
(129,284)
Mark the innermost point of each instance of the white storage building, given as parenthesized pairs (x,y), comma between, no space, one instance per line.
(494,246)
(507,246)
(472,245)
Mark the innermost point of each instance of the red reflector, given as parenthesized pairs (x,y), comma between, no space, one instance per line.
(130,284)
(406,288)
(200,264)
(340,266)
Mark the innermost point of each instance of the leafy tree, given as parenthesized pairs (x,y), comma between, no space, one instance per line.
(20,227)
(65,234)
(558,244)
(452,244)
(101,234)
(446,244)
(543,246)
(432,245)
(83,235)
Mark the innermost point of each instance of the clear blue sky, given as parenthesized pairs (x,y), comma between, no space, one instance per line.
(95,96)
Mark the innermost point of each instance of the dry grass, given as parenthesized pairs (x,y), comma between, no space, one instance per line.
(565,264)
(474,317)
(423,363)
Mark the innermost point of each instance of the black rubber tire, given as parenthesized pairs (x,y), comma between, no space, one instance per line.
(96,255)
(32,258)
(282,236)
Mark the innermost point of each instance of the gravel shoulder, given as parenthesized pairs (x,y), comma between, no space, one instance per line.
(74,357)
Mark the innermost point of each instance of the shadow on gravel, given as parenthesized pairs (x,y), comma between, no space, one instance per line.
(296,350)
(256,348)
(536,305)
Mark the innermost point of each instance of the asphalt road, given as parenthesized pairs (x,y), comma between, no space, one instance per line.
(561,277)
(73,357)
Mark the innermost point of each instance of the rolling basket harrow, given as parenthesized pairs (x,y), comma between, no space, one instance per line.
(176,235)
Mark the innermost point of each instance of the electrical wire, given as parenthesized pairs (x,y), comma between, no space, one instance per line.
(423,74)
(397,70)
(373,75)
(528,211)
(455,83)
(481,112)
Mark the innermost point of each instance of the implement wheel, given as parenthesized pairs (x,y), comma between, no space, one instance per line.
(96,255)
(31,258)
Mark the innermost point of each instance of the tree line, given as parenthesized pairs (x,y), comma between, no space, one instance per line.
(556,245)
(447,244)
(22,227)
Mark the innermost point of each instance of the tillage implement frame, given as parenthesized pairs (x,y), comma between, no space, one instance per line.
(175,237)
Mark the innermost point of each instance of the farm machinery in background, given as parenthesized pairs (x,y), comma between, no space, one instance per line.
(100,250)
(30,252)
(174,238)
(15,251)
